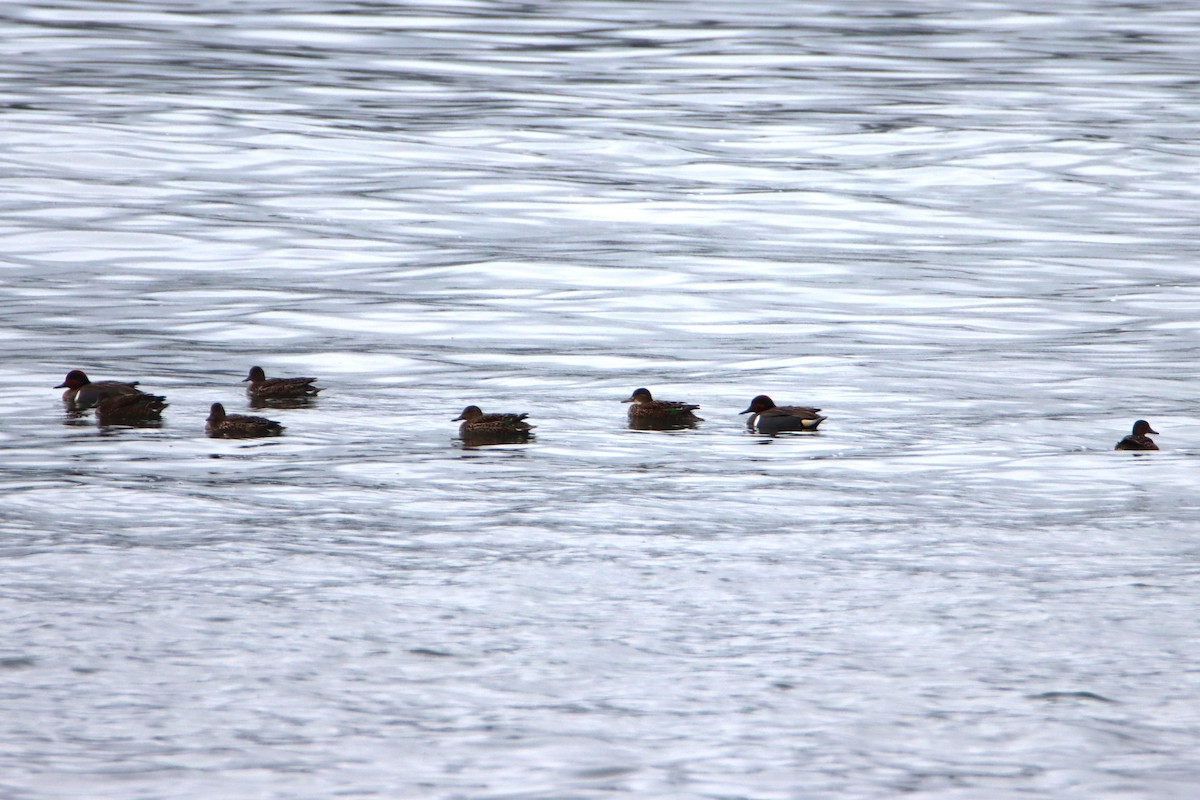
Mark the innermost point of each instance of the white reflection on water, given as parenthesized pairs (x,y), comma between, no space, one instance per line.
(965,232)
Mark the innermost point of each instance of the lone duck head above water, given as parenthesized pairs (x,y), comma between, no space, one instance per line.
(1138,440)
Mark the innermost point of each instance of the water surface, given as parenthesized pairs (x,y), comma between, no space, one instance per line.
(967,233)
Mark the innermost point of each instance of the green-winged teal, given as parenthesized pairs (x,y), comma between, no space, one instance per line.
(81,393)
(220,425)
(1138,440)
(263,388)
(766,417)
(643,407)
(477,424)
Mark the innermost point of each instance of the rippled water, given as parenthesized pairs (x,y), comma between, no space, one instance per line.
(968,232)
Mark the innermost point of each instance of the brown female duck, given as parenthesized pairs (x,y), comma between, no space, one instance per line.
(220,425)
(476,424)
(130,409)
(263,388)
(766,417)
(672,412)
(1138,440)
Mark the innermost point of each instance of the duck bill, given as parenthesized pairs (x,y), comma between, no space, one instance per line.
(456,419)
(61,386)
(747,411)
(630,400)
(1156,433)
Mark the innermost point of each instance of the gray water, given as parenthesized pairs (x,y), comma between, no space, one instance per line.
(966,231)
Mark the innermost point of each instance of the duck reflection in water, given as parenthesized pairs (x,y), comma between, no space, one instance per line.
(283,403)
(479,429)
(648,414)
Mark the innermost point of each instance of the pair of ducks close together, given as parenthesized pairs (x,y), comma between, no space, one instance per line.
(119,403)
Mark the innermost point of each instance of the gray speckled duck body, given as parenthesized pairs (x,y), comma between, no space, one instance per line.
(766,417)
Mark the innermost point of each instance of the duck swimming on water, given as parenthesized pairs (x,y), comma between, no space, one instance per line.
(220,425)
(643,407)
(263,388)
(766,417)
(1138,440)
(115,401)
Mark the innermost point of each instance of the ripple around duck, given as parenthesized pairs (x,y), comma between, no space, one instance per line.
(966,234)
